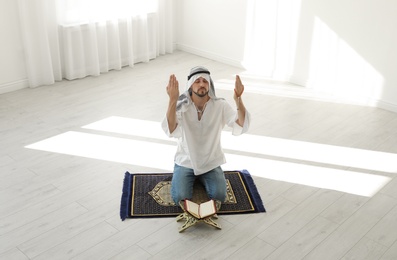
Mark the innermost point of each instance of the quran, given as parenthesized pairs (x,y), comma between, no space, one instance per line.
(202,210)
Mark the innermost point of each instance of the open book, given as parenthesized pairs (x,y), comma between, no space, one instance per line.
(202,210)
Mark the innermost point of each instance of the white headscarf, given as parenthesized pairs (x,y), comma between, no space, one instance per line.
(195,73)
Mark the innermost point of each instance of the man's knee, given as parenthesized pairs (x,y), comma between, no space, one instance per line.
(179,193)
(219,194)
(182,184)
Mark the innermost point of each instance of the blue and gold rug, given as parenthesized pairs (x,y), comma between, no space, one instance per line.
(148,195)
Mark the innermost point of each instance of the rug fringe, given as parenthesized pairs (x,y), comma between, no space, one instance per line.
(125,208)
(255,196)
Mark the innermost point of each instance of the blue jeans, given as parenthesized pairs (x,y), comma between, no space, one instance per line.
(183,180)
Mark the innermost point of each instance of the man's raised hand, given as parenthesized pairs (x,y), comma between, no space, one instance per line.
(173,88)
(238,88)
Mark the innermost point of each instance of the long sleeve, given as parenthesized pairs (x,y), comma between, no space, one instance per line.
(237,129)
(176,133)
(230,116)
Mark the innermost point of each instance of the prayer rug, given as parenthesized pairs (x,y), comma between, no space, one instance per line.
(148,195)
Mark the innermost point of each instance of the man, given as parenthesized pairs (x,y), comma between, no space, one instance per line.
(196,118)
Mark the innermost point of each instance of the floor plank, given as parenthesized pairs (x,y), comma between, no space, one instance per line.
(67,205)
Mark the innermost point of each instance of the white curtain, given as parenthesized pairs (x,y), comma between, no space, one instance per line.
(69,39)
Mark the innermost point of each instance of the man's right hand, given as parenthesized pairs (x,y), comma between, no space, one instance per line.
(173,88)
(173,93)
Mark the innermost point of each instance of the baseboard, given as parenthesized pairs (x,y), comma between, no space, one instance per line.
(21,84)
(209,55)
(387,106)
(299,81)
(363,101)
(13,86)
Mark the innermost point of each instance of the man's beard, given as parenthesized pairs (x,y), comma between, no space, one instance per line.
(200,94)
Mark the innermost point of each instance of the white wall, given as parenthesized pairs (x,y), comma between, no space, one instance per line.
(216,29)
(212,28)
(12,64)
(344,48)
(364,42)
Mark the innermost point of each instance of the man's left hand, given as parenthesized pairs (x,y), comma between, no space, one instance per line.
(239,88)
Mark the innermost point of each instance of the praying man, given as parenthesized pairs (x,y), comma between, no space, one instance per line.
(196,118)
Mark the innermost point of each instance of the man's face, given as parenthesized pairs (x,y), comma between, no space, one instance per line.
(200,86)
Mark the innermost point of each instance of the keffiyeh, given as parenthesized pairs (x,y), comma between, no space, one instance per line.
(195,73)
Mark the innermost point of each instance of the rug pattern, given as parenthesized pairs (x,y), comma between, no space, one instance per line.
(148,195)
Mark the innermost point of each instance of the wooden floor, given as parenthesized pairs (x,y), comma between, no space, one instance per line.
(325,171)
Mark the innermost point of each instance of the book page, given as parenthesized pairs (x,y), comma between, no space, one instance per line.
(192,208)
(207,209)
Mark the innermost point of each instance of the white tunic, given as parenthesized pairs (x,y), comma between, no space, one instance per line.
(199,141)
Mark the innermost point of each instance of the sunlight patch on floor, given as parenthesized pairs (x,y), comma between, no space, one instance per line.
(129,126)
(152,154)
(263,145)
(115,149)
(313,152)
(352,182)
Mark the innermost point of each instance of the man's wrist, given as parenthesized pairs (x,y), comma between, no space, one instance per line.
(172,101)
(238,102)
